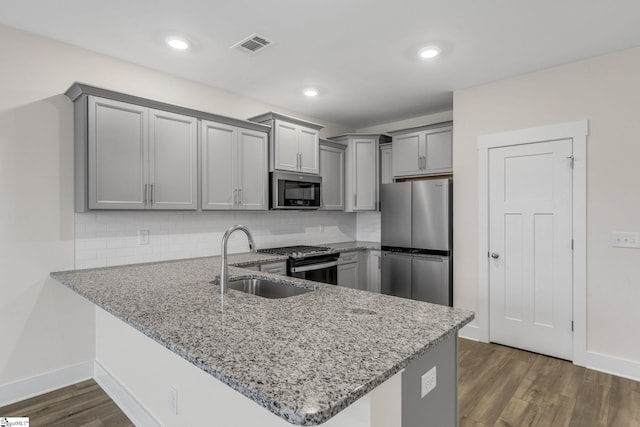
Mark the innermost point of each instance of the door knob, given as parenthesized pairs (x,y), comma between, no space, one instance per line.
(495,255)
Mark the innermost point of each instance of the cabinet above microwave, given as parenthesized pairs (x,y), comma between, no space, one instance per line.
(295,143)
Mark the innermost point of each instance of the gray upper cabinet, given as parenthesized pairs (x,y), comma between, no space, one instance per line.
(361,170)
(423,151)
(137,153)
(332,172)
(386,164)
(140,158)
(234,168)
(173,161)
(117,155)
(295,143)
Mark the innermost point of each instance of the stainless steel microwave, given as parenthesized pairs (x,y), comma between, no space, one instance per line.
(290,190)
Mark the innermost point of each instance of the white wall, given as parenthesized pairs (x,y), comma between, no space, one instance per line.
(44,326)
(106,239)
(605,91)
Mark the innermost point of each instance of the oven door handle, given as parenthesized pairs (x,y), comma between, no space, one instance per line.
(314,267)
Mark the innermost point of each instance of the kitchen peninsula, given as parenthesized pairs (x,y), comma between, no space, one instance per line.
(334,356)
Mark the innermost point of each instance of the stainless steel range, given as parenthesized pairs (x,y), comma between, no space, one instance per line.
(316,263)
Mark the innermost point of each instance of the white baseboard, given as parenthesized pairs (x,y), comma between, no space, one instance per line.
(613,365)
(470,332)
(597,361)
(34,386)
(121,396)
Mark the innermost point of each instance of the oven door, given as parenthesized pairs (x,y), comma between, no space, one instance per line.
(325,271)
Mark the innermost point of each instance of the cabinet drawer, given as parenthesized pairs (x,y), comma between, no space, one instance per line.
(275,268)
(348,257)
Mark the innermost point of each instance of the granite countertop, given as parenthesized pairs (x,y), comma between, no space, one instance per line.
(304,358)
(353,246)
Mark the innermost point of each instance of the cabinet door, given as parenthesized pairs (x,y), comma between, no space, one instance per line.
(407,154)
(253,172)
(332,172)
(386,165)
(309,151)
(117,154)
(173,156)
(218,170)
(438,147)
(364,174)
(286,146)
(348,275)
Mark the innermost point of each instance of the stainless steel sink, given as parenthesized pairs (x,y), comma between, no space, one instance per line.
(266,288)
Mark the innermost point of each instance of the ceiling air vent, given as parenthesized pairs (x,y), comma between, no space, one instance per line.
(252,44)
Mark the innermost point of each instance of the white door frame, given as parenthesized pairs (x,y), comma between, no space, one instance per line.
(577,131)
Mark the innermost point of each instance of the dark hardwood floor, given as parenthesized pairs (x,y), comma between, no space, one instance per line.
(499,386)
(78,405)
(502,386)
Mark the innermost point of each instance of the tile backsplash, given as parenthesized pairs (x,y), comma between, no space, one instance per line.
(106,239)
(368,228)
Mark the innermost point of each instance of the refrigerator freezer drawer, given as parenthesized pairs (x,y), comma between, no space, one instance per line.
(431,280)
(396,274)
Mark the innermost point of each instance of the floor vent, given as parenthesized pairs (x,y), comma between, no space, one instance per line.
(252,44)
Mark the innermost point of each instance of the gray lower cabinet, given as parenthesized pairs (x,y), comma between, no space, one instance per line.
(332,173)
(348,275)
(234,166)
(138,157)
(348,271)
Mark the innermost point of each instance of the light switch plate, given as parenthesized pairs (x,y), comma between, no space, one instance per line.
(428,382)
(625,239)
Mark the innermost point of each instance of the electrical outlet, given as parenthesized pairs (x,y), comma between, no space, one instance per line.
(428,382)
(625,239)
(172,400)
(143,237)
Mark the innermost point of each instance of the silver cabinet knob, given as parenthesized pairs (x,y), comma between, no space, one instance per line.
(495,255)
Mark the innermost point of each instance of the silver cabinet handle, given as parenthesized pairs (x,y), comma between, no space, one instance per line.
(152,194)
(146,188)
(240,202)
(235,197)
(495,255)
(355,200)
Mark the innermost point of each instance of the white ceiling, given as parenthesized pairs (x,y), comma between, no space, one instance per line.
(359,53)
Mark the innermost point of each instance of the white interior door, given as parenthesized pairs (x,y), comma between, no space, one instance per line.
(530,241)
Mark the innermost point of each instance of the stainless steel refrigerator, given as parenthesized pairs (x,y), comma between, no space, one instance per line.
(417,240)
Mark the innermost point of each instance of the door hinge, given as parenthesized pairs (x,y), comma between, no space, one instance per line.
(572,326)
(571,244)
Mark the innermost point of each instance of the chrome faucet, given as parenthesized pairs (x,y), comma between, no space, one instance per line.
(224,269)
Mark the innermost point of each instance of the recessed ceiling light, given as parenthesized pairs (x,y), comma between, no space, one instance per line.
(429,52)
(311,92)
(177,43)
